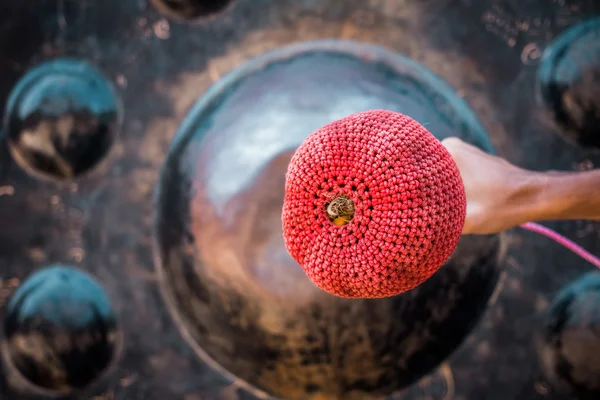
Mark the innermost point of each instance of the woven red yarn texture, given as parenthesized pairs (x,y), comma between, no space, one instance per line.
(409,202)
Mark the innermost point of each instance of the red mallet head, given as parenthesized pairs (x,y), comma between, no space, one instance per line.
(374,205)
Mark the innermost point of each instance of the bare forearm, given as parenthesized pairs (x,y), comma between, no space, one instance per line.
(501,195)
(563,196)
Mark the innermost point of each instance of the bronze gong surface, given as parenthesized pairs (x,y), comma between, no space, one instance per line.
(243,302)
(527,69)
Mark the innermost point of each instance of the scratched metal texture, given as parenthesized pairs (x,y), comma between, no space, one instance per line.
(488,50)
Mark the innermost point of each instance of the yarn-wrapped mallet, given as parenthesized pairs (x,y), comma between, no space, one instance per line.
(374,205)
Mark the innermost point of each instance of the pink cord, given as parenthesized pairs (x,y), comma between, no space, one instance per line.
(563,241)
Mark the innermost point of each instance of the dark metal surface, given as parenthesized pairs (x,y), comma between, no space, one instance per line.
(568,83)
(191,10)
(102,222)
(61,119)
(242,299)
(569,338)
(60,332)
